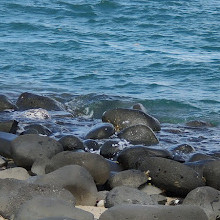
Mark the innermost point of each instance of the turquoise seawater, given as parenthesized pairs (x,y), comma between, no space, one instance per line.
(101,54)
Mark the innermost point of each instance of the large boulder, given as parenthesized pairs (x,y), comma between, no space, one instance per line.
(10,126)
(6,143)
(18,173)
(129,156)
(127,195)
(97,166)
(14,193)
(139,134)
(211,172)
(131,178)
(175,178)
(41,129)
(206,198)
(71,142)
(149,212)
(27,148)
(110,148)
(75,179)
(6,104)
(32,101)
(42,207)
(100,131)
(122,118)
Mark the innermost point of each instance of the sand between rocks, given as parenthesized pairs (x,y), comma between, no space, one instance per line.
(96,211)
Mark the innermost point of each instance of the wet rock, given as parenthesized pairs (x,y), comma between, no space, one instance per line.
(184,148)
(211,173)
(199,156)
(139,134)
(29,131)
(6,104)
(6,143)
(206,198)
(123,118)
(139,106)
(41,129)
(71,142)
(15,173)
(41,207)
(109,149)
(9,126)
(32,101)
(127,195)
(97,166)
(75,179)
(198,124)
(131,178)
(129,156)
(101,131)
(27,148)
(149,212)
(175,178)
(91,145)
(14,193)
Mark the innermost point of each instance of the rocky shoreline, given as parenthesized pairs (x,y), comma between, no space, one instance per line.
(46,178)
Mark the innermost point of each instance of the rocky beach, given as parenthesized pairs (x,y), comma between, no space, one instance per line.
(57,164)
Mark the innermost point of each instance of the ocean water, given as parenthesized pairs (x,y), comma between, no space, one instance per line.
(100,54)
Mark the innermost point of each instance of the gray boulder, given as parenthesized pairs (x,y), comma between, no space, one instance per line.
(39,166)
(71,142)
(211,172)
(41,207)
(14,193)
(129,156)
(206,198)
(100,131)
(6,104)
(131,178)
(139,134)
(10,126)
(122,118)
(75,179)
(41,129)
(149,212)
(175,178)
(127,195)
(97,166)
(110,148)
(91,145)
(30,101)
(27,148)
(6,143)
(18,173)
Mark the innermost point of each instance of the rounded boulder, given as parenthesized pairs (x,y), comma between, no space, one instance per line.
(32,101)
(122,118)
(41,207)
(139,134)
(101,131)
(97,166)
(27,148)
(75,179)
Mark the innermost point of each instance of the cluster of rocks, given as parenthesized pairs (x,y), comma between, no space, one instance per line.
(43,178)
